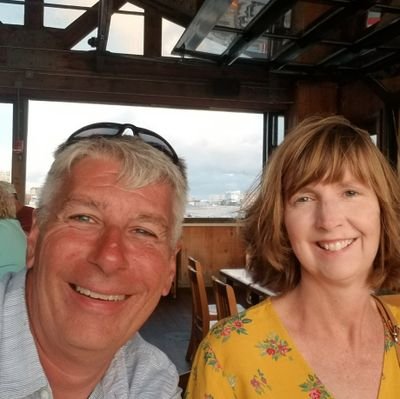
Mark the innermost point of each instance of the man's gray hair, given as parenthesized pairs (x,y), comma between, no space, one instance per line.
(141,165)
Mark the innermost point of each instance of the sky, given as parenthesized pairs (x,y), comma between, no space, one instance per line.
(223,150)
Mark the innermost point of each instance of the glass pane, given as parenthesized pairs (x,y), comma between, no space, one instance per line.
(218,181)
(83,44)
(12,14)
(373,17)
(281,129)
(216,42)
(131,7)
(170,35)
(78,3)
(241,13)
(126,34)
(6,123)
(60,17)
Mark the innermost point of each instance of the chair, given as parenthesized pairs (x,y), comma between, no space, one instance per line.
(183,381)
(212,307)
(225,299)
(202,318)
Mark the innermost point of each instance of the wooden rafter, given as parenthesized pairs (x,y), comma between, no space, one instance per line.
(83,25)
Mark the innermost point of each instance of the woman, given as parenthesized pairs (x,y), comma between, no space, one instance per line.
(323,231)
(12,237)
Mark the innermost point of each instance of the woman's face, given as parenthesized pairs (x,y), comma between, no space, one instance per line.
(334,230)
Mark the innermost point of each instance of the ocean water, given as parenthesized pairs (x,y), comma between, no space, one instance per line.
(212,211)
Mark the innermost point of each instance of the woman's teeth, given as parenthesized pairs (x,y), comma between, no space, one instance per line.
(335,246)
(97,295)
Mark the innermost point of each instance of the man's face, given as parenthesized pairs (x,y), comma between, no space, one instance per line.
(101,263)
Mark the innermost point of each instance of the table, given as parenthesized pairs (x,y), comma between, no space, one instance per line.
(242,277)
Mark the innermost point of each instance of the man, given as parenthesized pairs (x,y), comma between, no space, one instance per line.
(101,253)
(24,212)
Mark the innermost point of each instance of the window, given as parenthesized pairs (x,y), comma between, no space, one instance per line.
(6,118)
(223,150)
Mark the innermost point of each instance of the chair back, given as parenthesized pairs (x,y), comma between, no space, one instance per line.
(192,262)
(201,317)
(225,299)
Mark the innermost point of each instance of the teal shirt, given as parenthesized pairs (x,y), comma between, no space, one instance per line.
(12,246)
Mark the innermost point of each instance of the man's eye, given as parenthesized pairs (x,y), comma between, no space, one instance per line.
(81,218)
(145,232)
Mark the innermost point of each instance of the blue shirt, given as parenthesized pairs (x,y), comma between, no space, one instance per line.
(138,371)
(12,246)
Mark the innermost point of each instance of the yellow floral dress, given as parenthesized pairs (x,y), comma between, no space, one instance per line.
(252,356)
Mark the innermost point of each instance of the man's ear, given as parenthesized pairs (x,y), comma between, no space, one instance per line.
(33,238)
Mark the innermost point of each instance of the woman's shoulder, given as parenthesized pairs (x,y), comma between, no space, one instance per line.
(245,325)
(393,302)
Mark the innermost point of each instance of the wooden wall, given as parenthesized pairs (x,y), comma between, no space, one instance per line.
(215,245)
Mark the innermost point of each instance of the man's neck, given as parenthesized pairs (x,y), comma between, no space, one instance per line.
(76,382)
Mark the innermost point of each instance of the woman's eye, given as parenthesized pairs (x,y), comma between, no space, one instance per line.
(350,193)
(303,198)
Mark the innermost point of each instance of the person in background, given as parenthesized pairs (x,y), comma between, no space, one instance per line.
(101,253)
(12,237)
(23,212)
(322,229)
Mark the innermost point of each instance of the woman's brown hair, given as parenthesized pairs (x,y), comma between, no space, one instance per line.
(319,150)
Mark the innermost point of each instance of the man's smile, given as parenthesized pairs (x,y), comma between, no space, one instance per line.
(98,295)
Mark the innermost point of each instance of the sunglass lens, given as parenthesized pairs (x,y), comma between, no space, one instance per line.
(97,131)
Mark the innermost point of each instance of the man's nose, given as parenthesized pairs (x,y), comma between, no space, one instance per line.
(109,251)
(329,214)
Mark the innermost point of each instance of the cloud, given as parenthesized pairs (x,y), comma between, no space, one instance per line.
(223,149)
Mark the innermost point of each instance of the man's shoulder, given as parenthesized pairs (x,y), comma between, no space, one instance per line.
(11,283)
(147,371)
(137,349)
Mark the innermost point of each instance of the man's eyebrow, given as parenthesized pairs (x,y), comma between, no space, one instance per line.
(85,201)
(152,218)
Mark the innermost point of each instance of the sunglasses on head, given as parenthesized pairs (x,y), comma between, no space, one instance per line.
(111,129)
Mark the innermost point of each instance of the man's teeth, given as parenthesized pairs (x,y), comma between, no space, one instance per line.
(97,295)
(335,246)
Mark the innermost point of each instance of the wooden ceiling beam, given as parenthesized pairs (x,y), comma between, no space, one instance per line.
(74,76)
(85,24)
(34,14)
(178,12)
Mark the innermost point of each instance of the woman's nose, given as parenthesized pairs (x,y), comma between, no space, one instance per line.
(329,215)
(109,252)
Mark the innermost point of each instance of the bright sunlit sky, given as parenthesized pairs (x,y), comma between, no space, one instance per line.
(223,150)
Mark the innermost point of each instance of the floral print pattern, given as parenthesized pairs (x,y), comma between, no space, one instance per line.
(252,356)
(235,324)
(389,343)
(210,358)
(314,387)
(259,382)
(274,347)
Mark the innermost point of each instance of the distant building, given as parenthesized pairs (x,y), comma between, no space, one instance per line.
(34,196)
(5,175)
(233,197)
